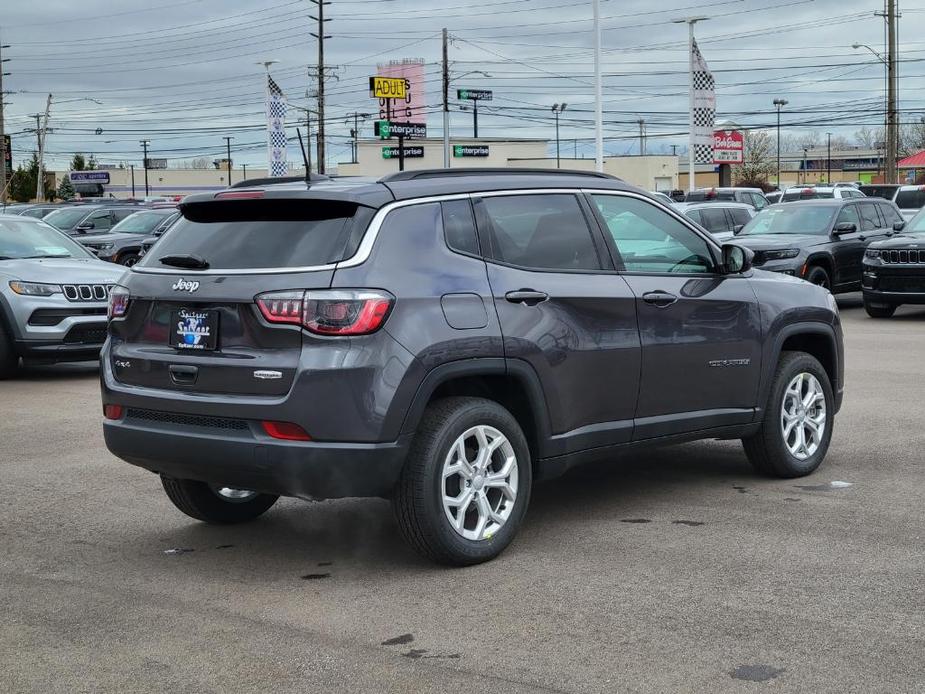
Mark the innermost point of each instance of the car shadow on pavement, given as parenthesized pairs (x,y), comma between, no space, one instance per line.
(312,538)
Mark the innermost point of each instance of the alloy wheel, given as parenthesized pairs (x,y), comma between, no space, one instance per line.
(479,482)
(803,416)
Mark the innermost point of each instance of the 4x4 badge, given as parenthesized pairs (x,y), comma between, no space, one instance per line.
(183,285)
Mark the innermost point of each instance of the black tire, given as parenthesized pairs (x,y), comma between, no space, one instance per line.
(128,259)
(198,500)
(417,500)
(819,276)
(766,450)
(9,360)
(879,310)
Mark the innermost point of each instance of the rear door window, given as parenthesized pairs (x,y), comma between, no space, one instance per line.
(870,220)
(889,213)
(547,232)
(260,234)
(714,219)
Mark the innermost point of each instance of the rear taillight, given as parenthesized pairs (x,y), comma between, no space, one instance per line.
(286,431)
(328,312)
(118,302)
(112,411)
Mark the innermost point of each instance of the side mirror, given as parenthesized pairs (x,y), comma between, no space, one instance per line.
(899,226)
(737,228)
(844,228)
(86,226)
(737,259)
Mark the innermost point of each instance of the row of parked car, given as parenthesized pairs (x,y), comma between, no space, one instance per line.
(840,237)
(114,230)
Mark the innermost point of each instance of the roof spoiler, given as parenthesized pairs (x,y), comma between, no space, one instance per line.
(488,171)
(252,182)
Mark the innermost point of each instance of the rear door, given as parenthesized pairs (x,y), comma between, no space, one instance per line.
(564,311)
(715,220)
(202,331)
(700,330)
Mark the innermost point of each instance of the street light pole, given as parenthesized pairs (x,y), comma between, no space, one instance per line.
(828,159)
(690,21)
(557,109)
(779,104)
(598,92)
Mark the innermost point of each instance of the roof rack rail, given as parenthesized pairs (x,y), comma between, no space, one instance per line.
(487,171)
(252,182)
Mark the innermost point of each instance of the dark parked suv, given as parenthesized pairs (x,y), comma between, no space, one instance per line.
(446,338)
(821,241)
(894,270)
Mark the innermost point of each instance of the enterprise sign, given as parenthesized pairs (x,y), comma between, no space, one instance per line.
(470,150)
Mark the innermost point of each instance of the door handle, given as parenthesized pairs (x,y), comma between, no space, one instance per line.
(530,297)
(862,238)
(183,375)
(660,299)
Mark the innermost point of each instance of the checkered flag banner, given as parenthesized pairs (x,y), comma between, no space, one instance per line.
(703,107)
(276,130)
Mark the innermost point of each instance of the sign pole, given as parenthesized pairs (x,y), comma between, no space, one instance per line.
(401,152)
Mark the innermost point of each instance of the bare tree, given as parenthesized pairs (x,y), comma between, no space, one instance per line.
(200,163)
(868,137)
(759,162)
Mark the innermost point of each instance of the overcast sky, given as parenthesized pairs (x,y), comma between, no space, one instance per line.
(184,74)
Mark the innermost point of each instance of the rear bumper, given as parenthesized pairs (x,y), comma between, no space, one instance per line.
(56,351)
(249,459)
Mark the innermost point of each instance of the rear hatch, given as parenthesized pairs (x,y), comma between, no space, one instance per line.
(192,322)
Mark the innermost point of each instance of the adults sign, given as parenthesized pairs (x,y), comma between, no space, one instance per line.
(387,87)
(89,177)
(728,147)
(473,94)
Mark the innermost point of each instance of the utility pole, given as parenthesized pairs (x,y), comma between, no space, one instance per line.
(132,169)
(556,110)
(892,129)
(446,104)
(144,146)
(321,36)
(598,92)
(3,172)
(828,158)
(642,137)
(40,131)
(228,139)
(355,134)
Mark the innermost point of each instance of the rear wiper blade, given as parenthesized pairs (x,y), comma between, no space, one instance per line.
(188,261)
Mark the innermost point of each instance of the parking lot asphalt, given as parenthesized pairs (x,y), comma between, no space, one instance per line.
(670,570)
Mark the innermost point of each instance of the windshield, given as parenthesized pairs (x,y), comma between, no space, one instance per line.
(34,239)
(792,219)
(807,194)
(66,218)
(141,222)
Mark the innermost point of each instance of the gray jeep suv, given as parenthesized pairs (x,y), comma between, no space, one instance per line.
(53,295)
(445,339)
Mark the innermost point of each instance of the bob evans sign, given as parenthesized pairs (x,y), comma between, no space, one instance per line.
(89,177)
(728,147)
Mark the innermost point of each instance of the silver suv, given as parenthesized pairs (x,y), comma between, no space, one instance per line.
(53,295)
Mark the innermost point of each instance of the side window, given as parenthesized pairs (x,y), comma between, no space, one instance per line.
(694,215)
(714,219)
(649,239)
(890,214)
(849,213)
(459,226)
(759,201)
(101,220)
(910,199)
(869,218)
(122,214)
(740,216)
(540,231)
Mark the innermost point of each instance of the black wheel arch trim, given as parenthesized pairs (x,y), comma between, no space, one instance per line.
(485,366)
(770,364)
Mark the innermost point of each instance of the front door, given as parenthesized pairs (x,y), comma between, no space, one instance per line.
(565,312)
(700,330)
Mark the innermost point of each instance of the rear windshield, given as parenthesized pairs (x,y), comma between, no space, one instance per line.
(258,234)
(708,196)
(910,199)
(802,195)
(885,192)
